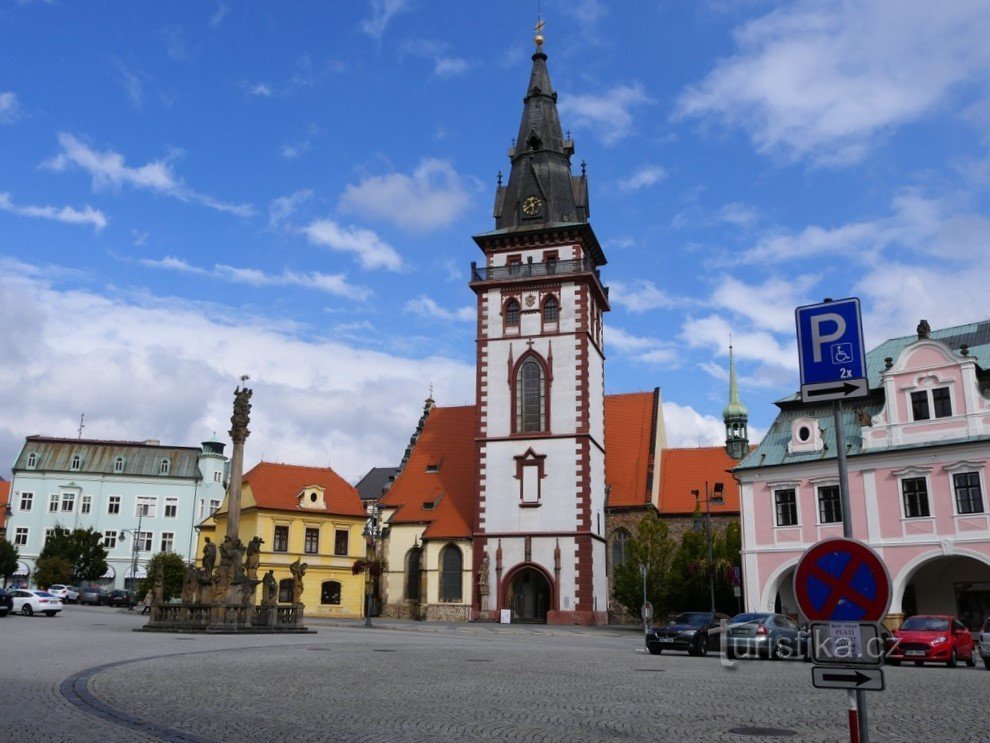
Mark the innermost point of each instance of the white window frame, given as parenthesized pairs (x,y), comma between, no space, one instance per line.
(963,468)
(149,504)
(946,384)
(118,465)
(27,499)
(214,505)
(32,461)
(21,534)
(916,473)
(68,502)
(110,539)
(778,487)
(49,533)
(86,504)
(171,503)
(53,502)
(113,505)
(164,466)
(167,541)
(76,464)
(145,540)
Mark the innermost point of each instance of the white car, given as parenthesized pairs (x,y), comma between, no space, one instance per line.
(29,602)
(68,594)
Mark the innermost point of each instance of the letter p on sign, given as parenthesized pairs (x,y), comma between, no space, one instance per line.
(819,338)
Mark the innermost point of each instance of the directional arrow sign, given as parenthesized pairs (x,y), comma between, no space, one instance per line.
(830,351)
(833,677)
(834,390)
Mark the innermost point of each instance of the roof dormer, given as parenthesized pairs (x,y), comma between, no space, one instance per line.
(310,498)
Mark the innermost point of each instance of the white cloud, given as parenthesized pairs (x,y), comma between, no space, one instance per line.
(217,18)
(686,427)
(823,81)
(646,176)
(609,115)
(130,365)
(640,296)
(769,305)
(284,207)
(450,66)
(371,250)
(382,12)
(261,90)
(67,214)
(426,307)
(175,43)
(10,109)
(335,284)
(713,332)
(587,12)
(132,82)
(433,196)
(645,350)
(108,170)
(739,214)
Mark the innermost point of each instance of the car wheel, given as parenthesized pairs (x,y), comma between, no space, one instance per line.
(986,662)
(655,651)
(50,613)
(971,660)
(26,610)
(702,646)
(951,662)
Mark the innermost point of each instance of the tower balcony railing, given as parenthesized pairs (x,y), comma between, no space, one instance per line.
(530,269)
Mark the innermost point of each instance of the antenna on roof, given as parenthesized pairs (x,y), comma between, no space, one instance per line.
(82,417)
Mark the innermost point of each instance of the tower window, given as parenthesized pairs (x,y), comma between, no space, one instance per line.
(551,311)
(530,398)
(512,314)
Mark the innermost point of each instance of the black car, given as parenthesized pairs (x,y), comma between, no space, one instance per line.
(694,631)
(122,597)
(6,603)
(93,595)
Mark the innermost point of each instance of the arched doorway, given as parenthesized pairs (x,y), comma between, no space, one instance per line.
(779,593)
(946,584)
(529,596)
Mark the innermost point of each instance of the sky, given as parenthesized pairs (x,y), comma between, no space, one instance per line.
(192,192)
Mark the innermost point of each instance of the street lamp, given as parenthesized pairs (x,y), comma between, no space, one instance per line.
(372,530)
(136,536)
(713,496)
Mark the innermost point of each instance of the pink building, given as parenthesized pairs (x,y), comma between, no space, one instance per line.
(917,452)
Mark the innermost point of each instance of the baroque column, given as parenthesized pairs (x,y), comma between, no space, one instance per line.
(238,434)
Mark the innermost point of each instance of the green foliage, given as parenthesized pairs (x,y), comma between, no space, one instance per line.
(82,549)
(175,573)
(52,569)
(8,559)
(692,566)
(653,548)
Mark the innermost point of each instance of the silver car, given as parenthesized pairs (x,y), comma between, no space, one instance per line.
(985,642)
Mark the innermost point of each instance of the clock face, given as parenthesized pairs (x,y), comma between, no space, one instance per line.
(532,205)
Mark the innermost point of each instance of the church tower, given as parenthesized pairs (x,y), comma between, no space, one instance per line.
(539,546)
(736,417)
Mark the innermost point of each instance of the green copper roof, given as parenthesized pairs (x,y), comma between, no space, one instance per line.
(734,409)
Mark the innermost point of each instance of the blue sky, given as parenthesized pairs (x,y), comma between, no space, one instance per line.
(190,192)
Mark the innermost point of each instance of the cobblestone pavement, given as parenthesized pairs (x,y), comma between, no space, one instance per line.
(85,676)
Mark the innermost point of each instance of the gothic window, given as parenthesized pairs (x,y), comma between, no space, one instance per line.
(530,398)
(414,561)
(620,547)
(330,592)
(512,314)
(551,311)
(451,566)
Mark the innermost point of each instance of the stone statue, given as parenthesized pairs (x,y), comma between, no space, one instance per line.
(269,589)
(158,586)
(924,329)
(483,575)
(190,585)
(298,570)
(242,414)
(209,556)
(864,418)
(231,563)
(252,558)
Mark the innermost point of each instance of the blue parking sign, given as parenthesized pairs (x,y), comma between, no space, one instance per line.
(830,347)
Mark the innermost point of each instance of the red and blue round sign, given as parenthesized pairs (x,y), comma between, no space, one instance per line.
(842,580)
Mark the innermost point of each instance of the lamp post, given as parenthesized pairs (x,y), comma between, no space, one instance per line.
(372,530)
(713,496)
(136,537)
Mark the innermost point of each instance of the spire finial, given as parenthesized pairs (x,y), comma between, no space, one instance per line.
(539,31)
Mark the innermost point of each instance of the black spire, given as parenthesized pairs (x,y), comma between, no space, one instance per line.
(541,190)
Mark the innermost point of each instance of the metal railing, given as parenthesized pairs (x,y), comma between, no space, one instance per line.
(530,270)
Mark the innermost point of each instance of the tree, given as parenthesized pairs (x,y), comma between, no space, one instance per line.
(175,569)
(52,569)
(8,560)
(82,548)
(653,548)
(690,587)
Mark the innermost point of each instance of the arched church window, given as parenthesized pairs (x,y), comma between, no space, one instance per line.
(530,398)
(330,592)
(551,310)
(414,562)
(620,547)
(512,314)
(451,567)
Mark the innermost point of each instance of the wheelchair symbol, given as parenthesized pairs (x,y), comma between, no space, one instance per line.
(842,353)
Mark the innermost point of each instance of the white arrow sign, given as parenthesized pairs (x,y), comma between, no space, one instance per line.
(834,677)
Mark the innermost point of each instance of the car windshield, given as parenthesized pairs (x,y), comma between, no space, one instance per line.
(745,618)
(693,618)
(926,624)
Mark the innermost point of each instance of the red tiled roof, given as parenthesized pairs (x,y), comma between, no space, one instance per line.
(277,486)
(630,429)
(4,497)
(684,470)
(446,443)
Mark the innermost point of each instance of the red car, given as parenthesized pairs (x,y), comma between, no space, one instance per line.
(934,638)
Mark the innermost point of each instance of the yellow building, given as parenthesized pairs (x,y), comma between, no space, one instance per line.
(305,513)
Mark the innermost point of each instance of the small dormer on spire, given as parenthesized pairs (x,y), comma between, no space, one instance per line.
(736,417)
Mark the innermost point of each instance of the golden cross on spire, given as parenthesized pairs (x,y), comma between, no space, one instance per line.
(539,31)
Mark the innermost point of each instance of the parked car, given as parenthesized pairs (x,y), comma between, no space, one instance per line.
(985,643)
(933,638)
(694,631)
(94,595)
(6,603)
(765,635)
(121,597)
(30,602)
(68,594)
